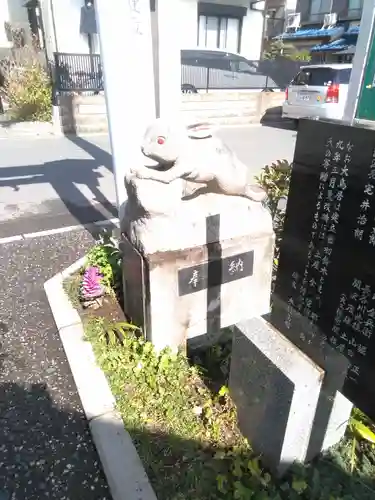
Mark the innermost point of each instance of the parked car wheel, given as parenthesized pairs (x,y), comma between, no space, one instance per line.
(187,88)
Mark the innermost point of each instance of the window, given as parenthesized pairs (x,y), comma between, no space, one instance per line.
(318,8)
(240,66)
(355,9)
(320,77)
(216,32)
(344,75)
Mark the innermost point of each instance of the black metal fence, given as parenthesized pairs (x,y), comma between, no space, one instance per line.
(83,73)
(77,73)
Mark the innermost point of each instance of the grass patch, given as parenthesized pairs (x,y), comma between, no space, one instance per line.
(184,426)
(71,287)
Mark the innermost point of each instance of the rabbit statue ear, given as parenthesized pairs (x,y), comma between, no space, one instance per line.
(200,130)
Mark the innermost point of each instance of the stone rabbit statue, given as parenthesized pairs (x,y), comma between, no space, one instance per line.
(193,154)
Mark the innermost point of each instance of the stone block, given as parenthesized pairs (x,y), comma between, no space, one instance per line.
(281,396)
(227,249)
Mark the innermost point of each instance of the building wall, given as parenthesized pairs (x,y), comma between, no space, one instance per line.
(252,29)
(338,6)
(65,16)
(188,28)
(4,17)
(17,12)
(12,11)
(252,35)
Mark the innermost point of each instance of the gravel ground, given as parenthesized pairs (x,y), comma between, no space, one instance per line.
(46,449)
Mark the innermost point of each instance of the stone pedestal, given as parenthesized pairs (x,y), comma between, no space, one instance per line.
(206,266)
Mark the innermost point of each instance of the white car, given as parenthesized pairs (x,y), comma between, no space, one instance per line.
(318,91)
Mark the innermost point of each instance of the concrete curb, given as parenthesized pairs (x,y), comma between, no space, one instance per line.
(126,477)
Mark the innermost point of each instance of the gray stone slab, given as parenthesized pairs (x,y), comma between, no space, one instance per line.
(276,388)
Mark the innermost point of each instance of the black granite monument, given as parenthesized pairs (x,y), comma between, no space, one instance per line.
(324,298)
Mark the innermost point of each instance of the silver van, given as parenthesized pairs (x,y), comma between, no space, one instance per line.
(216,69)
(318,91)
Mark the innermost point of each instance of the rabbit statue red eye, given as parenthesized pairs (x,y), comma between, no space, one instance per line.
(161,140)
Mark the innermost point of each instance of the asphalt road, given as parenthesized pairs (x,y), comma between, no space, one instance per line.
(55,182)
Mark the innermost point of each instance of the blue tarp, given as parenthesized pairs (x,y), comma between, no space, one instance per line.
(335,46)
(354,30)
(312,33)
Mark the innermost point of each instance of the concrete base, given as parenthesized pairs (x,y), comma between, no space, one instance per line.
(164,254)
(281,397)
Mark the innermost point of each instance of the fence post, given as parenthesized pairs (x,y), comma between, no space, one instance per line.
(55,76)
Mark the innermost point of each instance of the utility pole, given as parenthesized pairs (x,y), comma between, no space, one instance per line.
(362,83)
(167,57)
(126,52)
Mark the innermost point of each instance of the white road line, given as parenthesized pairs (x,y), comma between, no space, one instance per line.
(60,230)
(10,239)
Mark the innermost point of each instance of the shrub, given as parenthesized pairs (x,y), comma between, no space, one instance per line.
(278,48)
(27,87)
(275,179)
(300,55)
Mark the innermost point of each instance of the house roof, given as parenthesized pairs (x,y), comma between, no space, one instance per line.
(349,50)
(313,33)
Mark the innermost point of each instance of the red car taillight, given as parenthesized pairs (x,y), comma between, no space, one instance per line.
(333,93)
(286,94)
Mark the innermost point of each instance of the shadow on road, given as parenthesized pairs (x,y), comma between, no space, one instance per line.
(272,118)
(45,451)
(97,153)
(65,176)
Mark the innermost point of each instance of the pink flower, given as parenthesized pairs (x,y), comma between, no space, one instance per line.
(91,286)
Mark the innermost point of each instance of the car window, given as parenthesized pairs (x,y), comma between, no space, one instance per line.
(302,78)
(240,66)
(344,75)
(295,79)
(222,63)
(321,77)
(207,59)
(191,61)
(316,77)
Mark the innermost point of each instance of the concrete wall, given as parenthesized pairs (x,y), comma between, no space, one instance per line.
(87,114)
(231,107)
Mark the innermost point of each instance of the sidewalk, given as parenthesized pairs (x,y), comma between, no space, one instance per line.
(45,445)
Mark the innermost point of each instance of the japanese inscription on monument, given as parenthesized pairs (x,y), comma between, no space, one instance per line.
(325,287)
(194,279)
